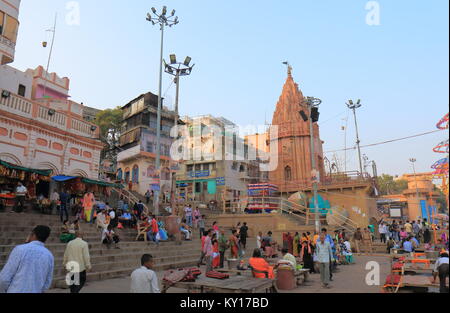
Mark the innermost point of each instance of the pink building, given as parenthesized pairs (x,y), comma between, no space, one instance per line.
(45,133)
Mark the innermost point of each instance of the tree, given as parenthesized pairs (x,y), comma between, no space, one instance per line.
(110,122)
(389,186)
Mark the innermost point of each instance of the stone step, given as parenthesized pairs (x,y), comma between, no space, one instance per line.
(123,251)
(99,245)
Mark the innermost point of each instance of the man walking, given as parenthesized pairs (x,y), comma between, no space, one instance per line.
(358,237)
(77,262)
(188,215)
(30,266)
(324,254)
(64,197)
(243,232)
(223,246)
(144,279)
(441,270)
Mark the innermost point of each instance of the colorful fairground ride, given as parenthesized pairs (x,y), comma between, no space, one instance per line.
(440,167)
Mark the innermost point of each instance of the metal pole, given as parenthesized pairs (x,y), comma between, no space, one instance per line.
(158,124)
(49,56)
(313,166)
(174,183)
(358,143)
(417,187)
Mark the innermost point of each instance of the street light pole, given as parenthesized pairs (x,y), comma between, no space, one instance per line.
(313,103)
(177,69)
(353,106)
(413,161)
(162,20)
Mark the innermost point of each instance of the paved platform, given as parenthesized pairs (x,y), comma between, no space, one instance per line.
(349,279)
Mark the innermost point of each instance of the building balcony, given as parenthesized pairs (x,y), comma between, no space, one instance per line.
(7,50)
(44,114)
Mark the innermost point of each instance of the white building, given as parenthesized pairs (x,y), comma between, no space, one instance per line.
(9,26)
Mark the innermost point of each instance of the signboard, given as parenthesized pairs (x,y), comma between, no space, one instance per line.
(155,187)
(198,174)
(220,181)
(396,212)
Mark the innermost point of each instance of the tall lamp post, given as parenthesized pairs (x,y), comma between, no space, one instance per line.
(413,161)
(177,69)
(353,106)
(313,117)
(163,20)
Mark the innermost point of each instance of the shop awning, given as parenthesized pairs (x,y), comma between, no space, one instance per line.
(26,169)
(101,183)
(62,178)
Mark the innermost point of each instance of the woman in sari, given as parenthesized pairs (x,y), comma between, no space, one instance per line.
(306,255)
(234,245)
(258,265)
(216,253)
(296,244)
(88,205)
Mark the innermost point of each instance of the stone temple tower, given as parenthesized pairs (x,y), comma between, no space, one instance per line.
(294,169)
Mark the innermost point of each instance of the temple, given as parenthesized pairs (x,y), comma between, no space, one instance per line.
(294,169)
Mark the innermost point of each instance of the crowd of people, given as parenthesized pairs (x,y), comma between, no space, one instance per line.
(409,235)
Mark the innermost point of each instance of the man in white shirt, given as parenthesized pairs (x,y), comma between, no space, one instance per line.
(77,262)
(144,279)
(188,215)
(258,240)
(441,270)
(21,193)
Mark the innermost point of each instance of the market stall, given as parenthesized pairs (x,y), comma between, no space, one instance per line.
(36,181)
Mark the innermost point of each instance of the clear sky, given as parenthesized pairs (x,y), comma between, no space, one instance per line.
(399,68)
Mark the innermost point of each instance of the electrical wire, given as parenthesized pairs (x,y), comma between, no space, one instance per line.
(388,141)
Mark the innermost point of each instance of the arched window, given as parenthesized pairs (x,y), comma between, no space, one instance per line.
(135,175)
(287,173)
(119,174)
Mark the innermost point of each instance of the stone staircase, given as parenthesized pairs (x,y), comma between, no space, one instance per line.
(106,263)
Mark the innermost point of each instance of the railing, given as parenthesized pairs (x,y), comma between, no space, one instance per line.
(7,42)
(33,109)
(306,215)
(342,179)
(132,199)
(57,118)
(17,104)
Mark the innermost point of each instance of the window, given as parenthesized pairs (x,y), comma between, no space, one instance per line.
(149,147)
(119,174)
(22,90)
(10,28)
(2,17)
(189,168)
(288,173)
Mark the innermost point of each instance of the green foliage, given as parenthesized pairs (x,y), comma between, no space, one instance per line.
(389,186)
(109,121)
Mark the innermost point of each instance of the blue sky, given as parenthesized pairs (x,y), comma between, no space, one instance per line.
(399,68)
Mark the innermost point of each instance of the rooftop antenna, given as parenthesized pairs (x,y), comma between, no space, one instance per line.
(53,30)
